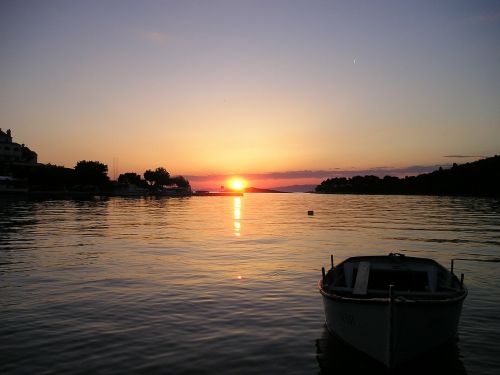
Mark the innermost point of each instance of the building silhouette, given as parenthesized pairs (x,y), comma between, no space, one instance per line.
(14,153)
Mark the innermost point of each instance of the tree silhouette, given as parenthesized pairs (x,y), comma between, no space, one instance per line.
(481,177)
(150,177)
(130,178)
(158,178)
(162,177)
(91,173)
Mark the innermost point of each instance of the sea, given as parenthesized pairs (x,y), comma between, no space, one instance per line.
(225,285)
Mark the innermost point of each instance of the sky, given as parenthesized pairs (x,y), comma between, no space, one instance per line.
(281,92)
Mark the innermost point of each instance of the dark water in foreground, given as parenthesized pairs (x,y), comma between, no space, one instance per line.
(117,286)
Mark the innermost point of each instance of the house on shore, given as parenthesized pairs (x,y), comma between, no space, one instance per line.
(15,153)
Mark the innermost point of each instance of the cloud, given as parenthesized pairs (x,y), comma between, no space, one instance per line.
(322,174)
(154,37)
(463,156)
(268,175)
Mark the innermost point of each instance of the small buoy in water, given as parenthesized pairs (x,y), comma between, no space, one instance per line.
(310,213)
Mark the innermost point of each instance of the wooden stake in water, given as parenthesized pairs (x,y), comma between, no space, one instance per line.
(331,260)
(452,261)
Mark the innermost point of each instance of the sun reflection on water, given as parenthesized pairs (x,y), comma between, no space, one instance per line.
(237,216)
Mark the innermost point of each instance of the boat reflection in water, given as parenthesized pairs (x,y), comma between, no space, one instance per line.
(336,357)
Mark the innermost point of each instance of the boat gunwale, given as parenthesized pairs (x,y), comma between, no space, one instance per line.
(461,294)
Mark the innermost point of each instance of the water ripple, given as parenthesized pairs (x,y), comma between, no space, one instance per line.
(221,285)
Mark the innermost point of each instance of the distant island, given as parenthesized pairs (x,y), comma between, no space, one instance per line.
(258,190)
(479,178)
(305,188)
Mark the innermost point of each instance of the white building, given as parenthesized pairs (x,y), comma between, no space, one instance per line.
(11,152)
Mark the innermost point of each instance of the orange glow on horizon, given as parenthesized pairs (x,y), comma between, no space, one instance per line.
(237,183)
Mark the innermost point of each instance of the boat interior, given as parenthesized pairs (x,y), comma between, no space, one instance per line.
(372,276)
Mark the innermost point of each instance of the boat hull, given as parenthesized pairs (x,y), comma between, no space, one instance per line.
(395,331)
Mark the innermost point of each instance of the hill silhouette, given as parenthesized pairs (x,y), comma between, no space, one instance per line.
(258,190)
(479,178)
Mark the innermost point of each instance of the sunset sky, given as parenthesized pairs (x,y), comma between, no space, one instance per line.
(282,92)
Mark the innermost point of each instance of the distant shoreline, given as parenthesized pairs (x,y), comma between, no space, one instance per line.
(91,195)
(479,178)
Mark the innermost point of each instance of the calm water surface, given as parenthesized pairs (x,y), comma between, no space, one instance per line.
(223,285)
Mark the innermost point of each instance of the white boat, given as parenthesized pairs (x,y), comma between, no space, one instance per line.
(393,308)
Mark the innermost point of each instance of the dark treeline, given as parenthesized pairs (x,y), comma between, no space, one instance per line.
(481,178)
(87,176)
(159,178)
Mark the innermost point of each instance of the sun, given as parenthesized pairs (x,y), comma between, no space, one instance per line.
(237,183)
